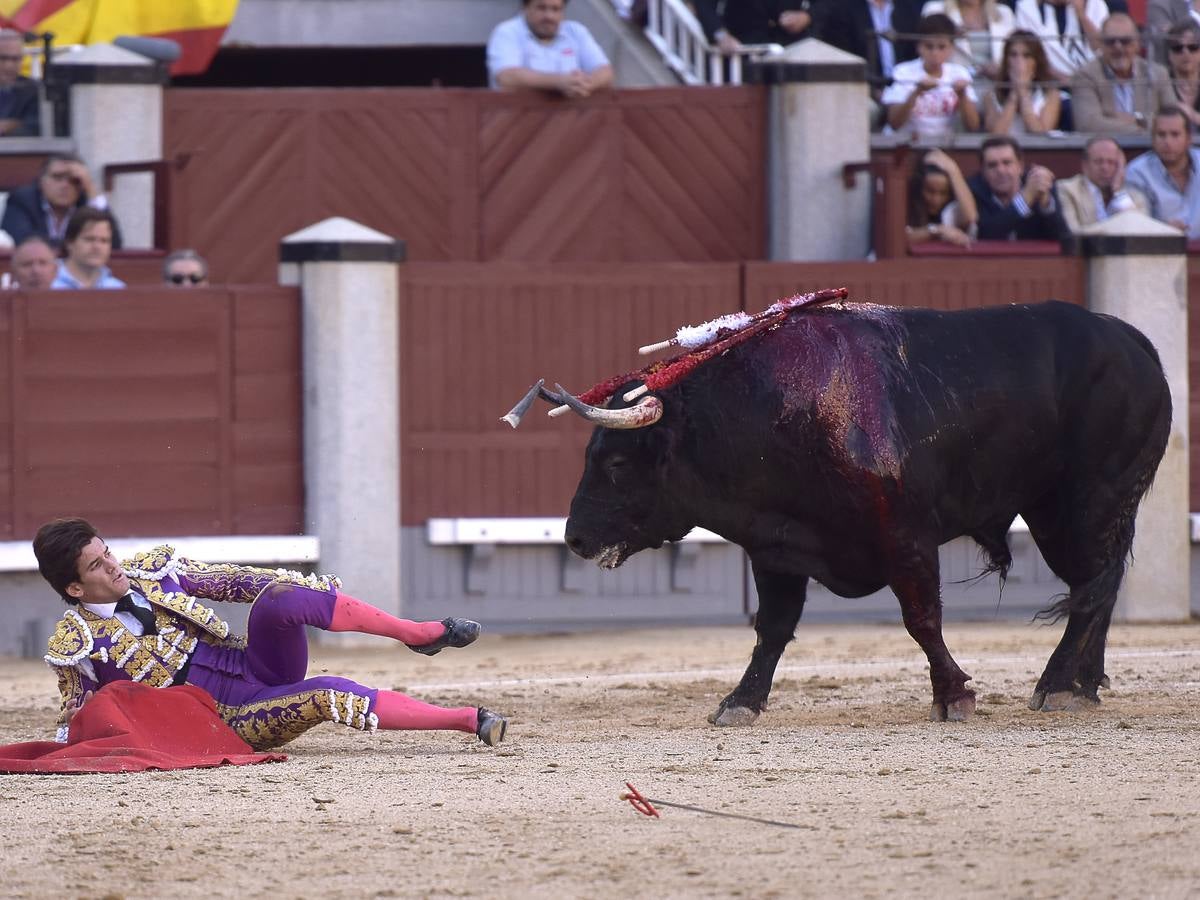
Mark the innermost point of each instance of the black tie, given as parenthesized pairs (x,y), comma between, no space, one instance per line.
(143,615)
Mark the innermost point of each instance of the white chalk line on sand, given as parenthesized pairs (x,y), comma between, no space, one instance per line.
(732,672)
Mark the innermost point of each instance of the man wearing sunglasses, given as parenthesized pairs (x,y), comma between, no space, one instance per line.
(1161,16)
(185,268)
(1118,92)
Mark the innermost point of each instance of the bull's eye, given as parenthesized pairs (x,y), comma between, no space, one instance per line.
(615,467)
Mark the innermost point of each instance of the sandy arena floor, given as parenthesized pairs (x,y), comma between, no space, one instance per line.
(886,804)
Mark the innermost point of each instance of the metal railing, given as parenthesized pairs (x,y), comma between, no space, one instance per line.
(676,34)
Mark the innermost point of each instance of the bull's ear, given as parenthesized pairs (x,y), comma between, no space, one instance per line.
(661,440)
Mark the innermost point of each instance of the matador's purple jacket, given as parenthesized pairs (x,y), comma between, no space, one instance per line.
(265,697)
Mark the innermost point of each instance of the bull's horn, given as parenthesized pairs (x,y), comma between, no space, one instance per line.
(647,412)
(630,396)
(518,412)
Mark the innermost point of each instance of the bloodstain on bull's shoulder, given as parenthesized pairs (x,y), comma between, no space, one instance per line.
(839,364)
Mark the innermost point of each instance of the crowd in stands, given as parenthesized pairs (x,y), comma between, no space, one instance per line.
(59,226)
(1007,200)
(1004,68)
(937,67)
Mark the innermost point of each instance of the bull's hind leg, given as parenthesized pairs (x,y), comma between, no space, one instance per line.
(780,603)
(1075,670)
(917,584)
(1092,565)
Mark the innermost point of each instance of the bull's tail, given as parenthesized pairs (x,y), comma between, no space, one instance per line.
(1099,594)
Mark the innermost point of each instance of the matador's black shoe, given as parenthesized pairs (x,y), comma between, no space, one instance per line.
(459,633)
(491,727)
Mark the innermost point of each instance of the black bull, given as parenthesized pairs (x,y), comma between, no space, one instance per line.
(852,441)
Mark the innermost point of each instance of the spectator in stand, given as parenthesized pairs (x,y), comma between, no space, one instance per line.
(1012,208)
(930,95)
(87,245)
(940,205)
(538,50)
(877,30)
(185,268)
(1099,190)
(1025,100)
(1167,172)
(34,264)
(45,207)
(755,21)
(1118,92)
(982,26)
(1183,64)
(18,94)
(1070,30)
(1161,15)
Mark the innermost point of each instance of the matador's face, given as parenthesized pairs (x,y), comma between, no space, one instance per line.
(101,579)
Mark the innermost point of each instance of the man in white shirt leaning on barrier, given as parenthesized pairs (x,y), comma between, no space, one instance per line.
(538,50)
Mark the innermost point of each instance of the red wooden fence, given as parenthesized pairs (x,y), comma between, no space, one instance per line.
(153,411)
(630,176)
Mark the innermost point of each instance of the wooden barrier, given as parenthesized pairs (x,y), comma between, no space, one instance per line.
(666,175)
(155,411)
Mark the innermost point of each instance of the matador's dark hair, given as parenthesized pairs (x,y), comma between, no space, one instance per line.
(57,548)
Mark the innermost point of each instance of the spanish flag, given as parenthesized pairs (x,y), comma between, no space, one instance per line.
(197,25)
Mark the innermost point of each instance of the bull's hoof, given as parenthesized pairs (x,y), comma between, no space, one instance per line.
(955,711)
(1062,701)
(961,709)
(733,716)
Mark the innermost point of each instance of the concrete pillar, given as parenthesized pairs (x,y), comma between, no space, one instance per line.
(1137,271)
(116,100)
(819,109)
(349,284)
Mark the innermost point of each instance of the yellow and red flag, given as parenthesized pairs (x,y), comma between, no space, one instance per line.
(197,25)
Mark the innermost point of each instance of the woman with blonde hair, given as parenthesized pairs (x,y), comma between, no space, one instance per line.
(982,27)
(1025,100)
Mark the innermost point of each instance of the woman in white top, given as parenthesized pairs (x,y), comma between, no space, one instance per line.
(1026,100)
(1070,30)
(982,26)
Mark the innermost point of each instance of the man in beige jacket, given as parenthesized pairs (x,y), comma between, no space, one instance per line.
(1118,92)
(1099,190)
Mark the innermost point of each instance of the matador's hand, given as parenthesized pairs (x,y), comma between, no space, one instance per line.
(73,708)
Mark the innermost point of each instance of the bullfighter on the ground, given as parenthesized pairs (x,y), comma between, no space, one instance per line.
(139,620)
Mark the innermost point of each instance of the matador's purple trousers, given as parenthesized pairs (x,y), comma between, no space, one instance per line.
(261,690)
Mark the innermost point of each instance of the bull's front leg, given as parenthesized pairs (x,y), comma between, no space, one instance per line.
(916,581)
(780,602)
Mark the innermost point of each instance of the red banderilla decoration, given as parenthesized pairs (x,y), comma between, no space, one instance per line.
(645,806)
(640,803)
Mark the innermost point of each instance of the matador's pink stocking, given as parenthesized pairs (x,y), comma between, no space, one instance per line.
(350,614)
(399,711)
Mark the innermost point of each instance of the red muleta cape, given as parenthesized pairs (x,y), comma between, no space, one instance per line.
(130,727)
